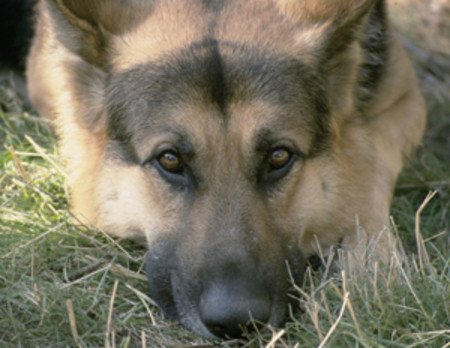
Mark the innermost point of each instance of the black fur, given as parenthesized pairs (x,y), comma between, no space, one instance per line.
(375,47)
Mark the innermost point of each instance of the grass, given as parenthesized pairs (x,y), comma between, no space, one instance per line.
(65,285)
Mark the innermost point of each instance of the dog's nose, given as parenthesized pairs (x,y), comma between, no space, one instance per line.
(228,311)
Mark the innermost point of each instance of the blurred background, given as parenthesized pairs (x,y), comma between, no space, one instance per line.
(424,28)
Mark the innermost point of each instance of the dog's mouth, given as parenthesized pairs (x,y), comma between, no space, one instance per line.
(223,301)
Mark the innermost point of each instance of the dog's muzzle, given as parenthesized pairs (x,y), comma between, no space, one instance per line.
(218,297)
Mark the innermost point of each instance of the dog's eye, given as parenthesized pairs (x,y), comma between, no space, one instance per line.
(277,164)
(171,162)
(279,158)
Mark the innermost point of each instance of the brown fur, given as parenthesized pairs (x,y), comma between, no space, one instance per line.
(342,194)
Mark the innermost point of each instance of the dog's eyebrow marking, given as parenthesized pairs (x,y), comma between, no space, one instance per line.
(215,74)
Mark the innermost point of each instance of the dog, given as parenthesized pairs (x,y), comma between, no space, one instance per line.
(237,139)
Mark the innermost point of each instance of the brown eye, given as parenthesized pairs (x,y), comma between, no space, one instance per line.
(279,158)
(170,162)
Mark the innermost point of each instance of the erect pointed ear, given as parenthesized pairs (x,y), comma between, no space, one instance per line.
(114,16)
(85,26)
(335,22)
(331,33)
(69,58)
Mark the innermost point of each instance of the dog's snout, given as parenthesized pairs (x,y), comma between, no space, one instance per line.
(228,311)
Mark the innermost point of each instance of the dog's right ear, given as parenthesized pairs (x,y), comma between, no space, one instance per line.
(85,27)
(114,16)
(67,73)
(69,58)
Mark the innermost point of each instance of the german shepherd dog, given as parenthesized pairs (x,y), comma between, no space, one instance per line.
(237,138)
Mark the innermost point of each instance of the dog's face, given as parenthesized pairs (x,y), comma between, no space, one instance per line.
(214,174)
(222,132)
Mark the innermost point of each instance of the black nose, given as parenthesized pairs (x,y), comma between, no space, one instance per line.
(228,310)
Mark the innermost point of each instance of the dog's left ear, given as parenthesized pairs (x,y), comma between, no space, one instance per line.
(331,32)
(333,23)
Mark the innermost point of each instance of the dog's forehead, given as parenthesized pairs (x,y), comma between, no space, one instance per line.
(216,82)
(171,25)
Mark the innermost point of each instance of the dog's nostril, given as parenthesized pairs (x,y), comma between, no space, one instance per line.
(228,312)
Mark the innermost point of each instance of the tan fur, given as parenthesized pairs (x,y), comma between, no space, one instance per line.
(166,34)
(360,173)
(223,88)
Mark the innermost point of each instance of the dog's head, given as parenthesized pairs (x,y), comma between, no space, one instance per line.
(222,132)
